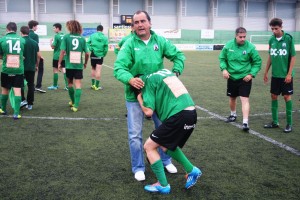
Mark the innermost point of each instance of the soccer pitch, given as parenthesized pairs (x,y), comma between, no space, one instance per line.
(53,153)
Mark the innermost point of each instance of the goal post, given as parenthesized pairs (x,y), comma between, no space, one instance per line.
(259,39)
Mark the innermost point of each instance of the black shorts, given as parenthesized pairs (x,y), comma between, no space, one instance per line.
(96,60)
(238,88)
(55,64)
(9,81)
(278,86)
(176,130)
(74,74)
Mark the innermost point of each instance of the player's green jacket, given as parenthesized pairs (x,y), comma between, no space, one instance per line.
(11,50)
(74,45)
(98,44)
(240,60)
(135,57)
(123,40)
(165,94)
(281,52)
(56,43)
(33,35)
(31,49)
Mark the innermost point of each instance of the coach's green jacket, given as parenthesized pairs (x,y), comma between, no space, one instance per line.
(135,57)
(240,60)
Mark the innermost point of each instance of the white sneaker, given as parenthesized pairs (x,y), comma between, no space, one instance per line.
(171,168)
(139,176)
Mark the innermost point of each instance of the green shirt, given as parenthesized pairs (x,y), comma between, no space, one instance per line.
(281,52)
(56,43)
(11,48)
(240,60)
(33,35)
(30,54)
(120,44)
(135,57)
(165,94)
(98,44)
(74,45)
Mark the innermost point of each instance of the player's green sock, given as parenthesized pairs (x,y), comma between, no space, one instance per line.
(158,169)
(17,105)
(288,108)
(55,79)
(71,94)
(66,80)
(77,97)
(179,156)
(4,99)
(93,81)
(275,111)
(97,83)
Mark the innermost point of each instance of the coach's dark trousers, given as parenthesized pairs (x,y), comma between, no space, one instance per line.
(29,77)
(40,74)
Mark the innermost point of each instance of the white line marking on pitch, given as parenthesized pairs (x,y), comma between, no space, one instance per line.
(268,139)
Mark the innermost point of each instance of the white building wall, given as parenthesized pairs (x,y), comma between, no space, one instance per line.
(254,24)
(53,18)
(14,17)
(194,23)
(225,23)
(164,22)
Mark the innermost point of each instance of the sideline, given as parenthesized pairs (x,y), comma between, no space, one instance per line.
(268,139)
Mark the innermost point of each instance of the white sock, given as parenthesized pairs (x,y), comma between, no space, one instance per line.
(233,113)
(245,121)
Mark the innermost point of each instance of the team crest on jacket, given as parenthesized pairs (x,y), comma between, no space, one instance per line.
(155,47)
(244,52)
(284,44)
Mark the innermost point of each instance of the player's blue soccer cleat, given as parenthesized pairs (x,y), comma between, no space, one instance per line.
(157,188)
(17,117)
(192,177)
(52,87)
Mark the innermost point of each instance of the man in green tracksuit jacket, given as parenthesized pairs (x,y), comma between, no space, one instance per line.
(239,63)
(143,53)
(98,45)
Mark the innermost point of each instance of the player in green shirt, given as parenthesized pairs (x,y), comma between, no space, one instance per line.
(12,75)
(72,47)
(98,45)
(31,62)
(55,45)
(239,63)
(282,57)
(165,94)
(123,40)
(33,26)
(143,53)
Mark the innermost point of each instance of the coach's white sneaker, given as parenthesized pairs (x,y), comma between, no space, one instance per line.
(139,176)
(171,168)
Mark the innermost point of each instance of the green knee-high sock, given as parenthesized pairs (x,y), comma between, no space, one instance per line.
(158,169)
(288,108)
(71,94)
(65,79)
(17,105)
(93,81)
(55,79)
(77,97)
(97,83)
(275,111)
(179,156)
(4,99)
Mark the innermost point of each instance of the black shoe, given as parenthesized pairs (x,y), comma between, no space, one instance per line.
(231,118)
(245,127)
(288,129)
(40,90)
(271,125)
